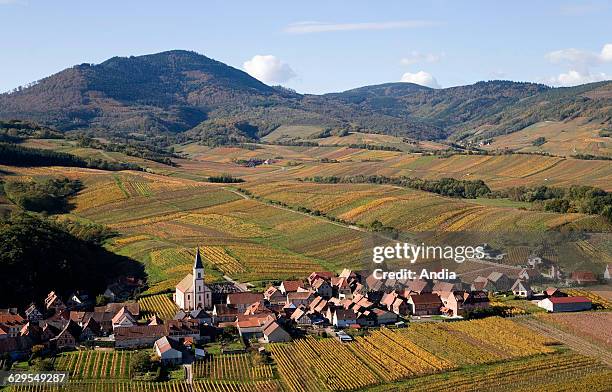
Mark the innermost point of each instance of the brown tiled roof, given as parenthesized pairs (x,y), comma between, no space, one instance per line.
(585,276)
(245,298)
(425,299)
(292,285)
(113,307)
(225,310)
(298,295)
(166,344)
(139,331)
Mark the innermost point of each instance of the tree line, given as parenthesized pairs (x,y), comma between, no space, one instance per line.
(14,155)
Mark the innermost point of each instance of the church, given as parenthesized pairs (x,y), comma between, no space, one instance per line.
(191,293)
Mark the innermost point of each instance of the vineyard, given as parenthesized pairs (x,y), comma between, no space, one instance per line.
(95,364)
(122,386)
(159,304)
(316,365)
(389,355)
(550,373)
(594,326)
(232,367)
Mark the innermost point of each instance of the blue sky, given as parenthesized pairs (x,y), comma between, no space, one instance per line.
(320,46)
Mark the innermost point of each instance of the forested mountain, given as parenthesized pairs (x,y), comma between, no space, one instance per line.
(180,91)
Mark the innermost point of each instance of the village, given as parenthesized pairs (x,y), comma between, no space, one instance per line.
(324,304)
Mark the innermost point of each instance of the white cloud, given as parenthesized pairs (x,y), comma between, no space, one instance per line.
(573,78)
(581,57)
(423,78)
(579,62)
(268,69)
(320,27)
(417,57)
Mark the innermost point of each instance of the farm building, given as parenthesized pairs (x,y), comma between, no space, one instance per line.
(565,304)
(168,350)
(522,289)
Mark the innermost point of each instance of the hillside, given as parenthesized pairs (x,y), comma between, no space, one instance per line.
(179,91)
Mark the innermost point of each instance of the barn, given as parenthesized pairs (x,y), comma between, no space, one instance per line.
(565,304)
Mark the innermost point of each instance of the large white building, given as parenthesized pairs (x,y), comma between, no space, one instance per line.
(191,293)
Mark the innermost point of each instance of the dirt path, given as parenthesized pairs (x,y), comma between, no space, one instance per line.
(574,342)
(352,227)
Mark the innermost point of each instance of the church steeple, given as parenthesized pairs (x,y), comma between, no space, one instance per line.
(198,260)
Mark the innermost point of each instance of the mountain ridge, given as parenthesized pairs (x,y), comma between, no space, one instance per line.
(182,91)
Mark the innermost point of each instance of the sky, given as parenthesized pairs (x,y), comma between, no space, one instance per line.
(321,46)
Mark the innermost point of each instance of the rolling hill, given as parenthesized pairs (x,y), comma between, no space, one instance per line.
(182,91)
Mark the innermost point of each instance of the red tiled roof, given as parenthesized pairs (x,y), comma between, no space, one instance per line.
(569,300)
(292,285)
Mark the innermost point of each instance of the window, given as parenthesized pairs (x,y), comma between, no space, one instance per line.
(199,275)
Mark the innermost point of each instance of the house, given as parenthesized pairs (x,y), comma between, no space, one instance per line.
(341,287)
(322,287)
(366,318)
(325,275)
(301,316)
(583,277)
(191,292)
(482,283)
(123,318)
(565,304)
(11,323)
(443,288)
(554,292)
(522,289)
(33,314)
(275,296)
(290,286)
(132,306)
(183,328)
(384,317)
(529,274)
(274,333)
(453,304)
(343,318)
(424,304)
(250,327)
(299,298)
(54,303)
(67,338)
(169,350)
(607,273)
(201,316)
(89,330)
(138,336)
(500,281)
(243,300)
(223,313)
(77,301)
(419,286)
(475,300)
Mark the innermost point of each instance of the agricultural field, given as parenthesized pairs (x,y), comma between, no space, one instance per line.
(593,326)
(160,305)
(413,210)
(97,365)
(136,386)
(240,367)
(389,355)
(565,138)
(557,372)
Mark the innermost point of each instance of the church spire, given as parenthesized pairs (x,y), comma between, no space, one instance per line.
(198,260)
